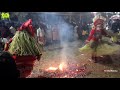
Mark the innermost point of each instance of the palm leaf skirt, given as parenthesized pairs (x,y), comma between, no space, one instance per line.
(24,44)
(104,48)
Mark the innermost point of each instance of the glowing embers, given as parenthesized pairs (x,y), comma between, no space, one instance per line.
(66,71)
(51,69)
(61,67)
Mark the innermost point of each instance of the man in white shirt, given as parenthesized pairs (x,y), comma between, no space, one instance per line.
(13,30)
(40,36)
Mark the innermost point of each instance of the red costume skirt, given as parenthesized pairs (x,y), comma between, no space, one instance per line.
(25,65)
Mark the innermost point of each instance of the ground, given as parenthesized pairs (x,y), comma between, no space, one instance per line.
(70,53)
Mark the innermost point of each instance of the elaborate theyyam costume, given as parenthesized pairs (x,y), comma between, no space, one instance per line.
(96,44)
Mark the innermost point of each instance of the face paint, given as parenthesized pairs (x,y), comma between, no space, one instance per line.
(99,27)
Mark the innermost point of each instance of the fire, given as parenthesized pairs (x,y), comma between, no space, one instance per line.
(52,68)
(65,76)
(62,66)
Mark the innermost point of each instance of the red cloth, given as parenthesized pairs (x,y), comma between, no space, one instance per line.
(28,24)
(91,35)
(98,21)
(10,40)
(25,64)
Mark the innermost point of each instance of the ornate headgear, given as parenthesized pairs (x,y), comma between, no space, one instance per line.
(98,19)
(27,24)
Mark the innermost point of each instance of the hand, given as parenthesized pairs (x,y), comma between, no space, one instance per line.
(38,57)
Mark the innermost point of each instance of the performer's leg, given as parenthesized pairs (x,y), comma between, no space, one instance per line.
(94,58)
(94,54)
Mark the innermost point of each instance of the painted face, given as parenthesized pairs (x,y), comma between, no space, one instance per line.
(99,27)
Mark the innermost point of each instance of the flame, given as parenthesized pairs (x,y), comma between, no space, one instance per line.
(65,76)
(77,70)
(52,68)
(62,66)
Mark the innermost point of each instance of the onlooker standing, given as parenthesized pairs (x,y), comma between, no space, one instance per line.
(55,35)
(8,67)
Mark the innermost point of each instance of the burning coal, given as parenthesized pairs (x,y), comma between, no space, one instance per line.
(61,67)
(52,69)
(71,71)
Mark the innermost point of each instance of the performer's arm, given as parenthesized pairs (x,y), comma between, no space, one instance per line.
(90,35)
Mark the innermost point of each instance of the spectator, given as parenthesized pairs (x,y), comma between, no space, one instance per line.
(15,18)
(55,35)
(85,30)
(49,37)
(79,32)
(12,30)
(8,67)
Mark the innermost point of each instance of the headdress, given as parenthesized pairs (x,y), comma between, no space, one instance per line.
(98,19)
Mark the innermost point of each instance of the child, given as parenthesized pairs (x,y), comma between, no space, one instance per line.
(95,43)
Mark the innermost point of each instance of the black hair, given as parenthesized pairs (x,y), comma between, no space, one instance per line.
(8,68)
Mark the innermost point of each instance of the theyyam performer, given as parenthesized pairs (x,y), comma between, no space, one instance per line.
(96,45)
(24,48)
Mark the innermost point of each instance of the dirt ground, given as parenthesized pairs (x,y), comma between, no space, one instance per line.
(102,69)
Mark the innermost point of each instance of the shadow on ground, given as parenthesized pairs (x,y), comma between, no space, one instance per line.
(112,61)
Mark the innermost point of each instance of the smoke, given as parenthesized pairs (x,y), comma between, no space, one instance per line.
(66,31)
